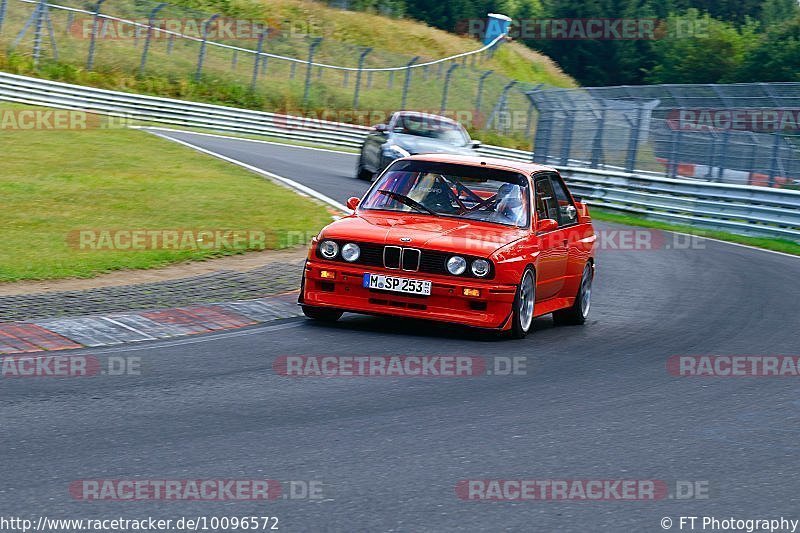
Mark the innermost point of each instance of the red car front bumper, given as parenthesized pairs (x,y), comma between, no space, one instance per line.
(343,289)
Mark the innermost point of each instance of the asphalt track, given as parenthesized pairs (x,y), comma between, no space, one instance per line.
(596,403)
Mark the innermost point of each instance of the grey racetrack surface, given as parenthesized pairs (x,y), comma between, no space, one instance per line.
(596,403)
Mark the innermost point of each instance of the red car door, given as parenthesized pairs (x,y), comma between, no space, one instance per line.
(574,235)
(552,264)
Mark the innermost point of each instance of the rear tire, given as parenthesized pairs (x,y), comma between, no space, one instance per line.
(322,314)
(579,312)
(523,310)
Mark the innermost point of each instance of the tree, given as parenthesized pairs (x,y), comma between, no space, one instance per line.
(712,56)
(776,56)
(776,12)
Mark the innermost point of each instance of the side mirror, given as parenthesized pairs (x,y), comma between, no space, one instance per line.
(476,144)
(352,202)
(583,209)
(381,128)
(545,225)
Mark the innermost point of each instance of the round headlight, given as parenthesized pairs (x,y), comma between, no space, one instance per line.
(480,267)
(328,249)
(351,252)
(456,265)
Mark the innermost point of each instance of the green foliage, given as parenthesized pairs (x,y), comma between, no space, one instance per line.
(733,40)
(777,12)
(776,56)
(711,56)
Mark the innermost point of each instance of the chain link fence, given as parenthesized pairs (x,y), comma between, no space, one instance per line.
(738,133)
(284,68)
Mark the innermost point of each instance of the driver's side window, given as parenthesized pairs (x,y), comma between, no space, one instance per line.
(567,213)
(546,205)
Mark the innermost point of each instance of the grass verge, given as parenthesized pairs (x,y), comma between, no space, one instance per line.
(768,243)
(53,184)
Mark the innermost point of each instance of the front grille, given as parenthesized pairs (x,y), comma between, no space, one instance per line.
(434,262)
(411,258)
(371,254)
(392,256)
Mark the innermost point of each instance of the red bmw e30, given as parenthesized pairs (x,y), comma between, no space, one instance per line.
(482,242)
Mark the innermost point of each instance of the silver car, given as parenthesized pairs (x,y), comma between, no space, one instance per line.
(409,133)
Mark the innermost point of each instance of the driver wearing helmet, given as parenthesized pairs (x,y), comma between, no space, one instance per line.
(510,207)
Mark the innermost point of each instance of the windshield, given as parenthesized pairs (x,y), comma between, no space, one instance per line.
(452,190)
(431,127)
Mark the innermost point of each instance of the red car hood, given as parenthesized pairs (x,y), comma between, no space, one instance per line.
(426,232)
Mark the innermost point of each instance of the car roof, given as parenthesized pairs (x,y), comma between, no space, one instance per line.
(522,167)
(426,115)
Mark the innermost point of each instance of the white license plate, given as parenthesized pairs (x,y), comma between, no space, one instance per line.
(391,283)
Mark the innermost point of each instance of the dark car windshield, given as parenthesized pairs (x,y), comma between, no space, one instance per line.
(432,128)
(452,190)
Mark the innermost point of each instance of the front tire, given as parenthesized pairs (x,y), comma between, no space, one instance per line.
(524,301)
(323,314)
(361,172)
(579,312)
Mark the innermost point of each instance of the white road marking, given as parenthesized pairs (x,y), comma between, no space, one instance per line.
(129,328)
(735,244)
(218,136)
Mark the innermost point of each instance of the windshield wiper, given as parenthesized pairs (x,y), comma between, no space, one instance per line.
(402,198)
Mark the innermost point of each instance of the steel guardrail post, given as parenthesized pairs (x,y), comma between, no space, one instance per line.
(597,142)
(406,83)
(3,9)
(361,60)
(201,57)
(93,39)
(633,141)
(447,79)
(775,159)
(150,22)
(481,82)
(311,49)
(257,60)
(37,35)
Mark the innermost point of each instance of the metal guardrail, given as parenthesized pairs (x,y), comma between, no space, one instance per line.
(743,209)
(736,208)
(35,91)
